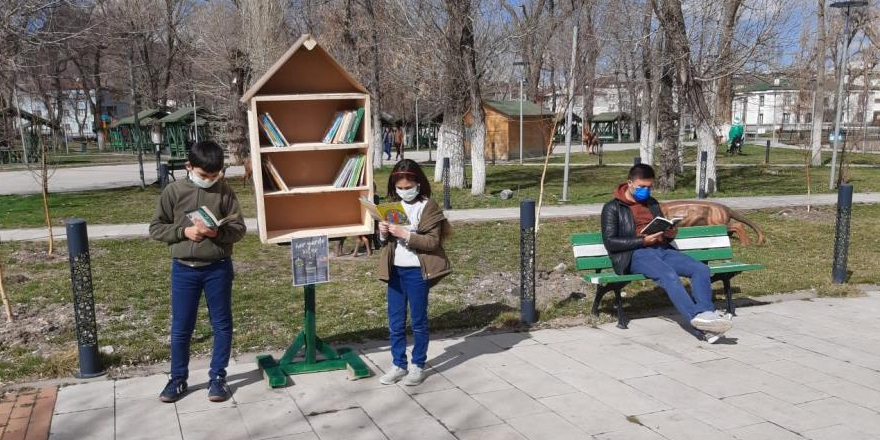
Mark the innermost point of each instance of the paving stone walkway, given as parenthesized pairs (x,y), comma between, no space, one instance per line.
(26,414)
(804,369)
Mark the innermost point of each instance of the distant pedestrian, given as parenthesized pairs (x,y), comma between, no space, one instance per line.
(387,140)
(398,142)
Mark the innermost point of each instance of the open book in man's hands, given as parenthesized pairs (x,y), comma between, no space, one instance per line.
(207,217)
(660,224)
(391,212)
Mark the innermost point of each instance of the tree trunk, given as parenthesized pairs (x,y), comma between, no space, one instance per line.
(375,86)
(440,152)
(668,160)
(672,20)
(478,116)
(724,101)
(591,51)
(819,96)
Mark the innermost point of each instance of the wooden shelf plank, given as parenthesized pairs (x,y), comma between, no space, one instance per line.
(310,97)
(315,189)
(283,236)
(312,146)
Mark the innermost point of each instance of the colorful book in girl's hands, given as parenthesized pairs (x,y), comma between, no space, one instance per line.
(207,217)
(391,212)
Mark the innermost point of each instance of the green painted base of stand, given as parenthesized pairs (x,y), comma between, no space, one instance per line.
(276,372)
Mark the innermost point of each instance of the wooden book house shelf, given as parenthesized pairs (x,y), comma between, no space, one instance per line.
(302,92)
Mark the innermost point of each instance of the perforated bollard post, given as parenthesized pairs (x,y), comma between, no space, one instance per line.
(163,175)
(704,156)
(446,203)
(83,298)
(767,154)
(637,160)
(841,236)
(527,261)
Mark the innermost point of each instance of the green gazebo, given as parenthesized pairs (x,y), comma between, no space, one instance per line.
(183,127)
(124,136)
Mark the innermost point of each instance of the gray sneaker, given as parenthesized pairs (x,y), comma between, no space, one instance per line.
(416,376)
(711,322)
(393,375)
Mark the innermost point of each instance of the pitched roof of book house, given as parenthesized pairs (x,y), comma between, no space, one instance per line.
(305,68)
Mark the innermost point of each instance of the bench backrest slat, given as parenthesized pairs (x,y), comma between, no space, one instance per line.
(703,243)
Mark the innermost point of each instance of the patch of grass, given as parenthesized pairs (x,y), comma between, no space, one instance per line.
(109,206)
(839,291)
(751,155)
(131,283)
(587,184)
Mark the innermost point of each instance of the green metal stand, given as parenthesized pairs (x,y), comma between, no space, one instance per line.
(276,372)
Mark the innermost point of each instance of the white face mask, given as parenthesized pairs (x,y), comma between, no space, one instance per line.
(202,183)
(408,195)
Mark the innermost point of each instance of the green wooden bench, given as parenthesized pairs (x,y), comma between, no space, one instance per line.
(709,244)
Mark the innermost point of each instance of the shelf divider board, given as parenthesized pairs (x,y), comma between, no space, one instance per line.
(316,189)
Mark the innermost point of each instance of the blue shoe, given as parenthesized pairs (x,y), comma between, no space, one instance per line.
(174,390)
(218,390)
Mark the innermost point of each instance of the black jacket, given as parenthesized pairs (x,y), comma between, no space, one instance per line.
(619,232)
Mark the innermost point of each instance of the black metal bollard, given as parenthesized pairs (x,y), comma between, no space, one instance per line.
(841,236)
(767,154)
(704,156)
(446,202)
(637,160)
(527,261)
(163,175)
(83,298)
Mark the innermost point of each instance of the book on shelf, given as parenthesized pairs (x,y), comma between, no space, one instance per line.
(277,180)
(334,126)
(352,132)
(660,224)
(277,130)
(391,212)
(273,133)
(266,130)
(204,215)
(351,173)
(344,127)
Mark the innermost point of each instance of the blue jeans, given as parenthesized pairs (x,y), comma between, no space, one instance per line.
(187,284)
(664,265)
(407,286)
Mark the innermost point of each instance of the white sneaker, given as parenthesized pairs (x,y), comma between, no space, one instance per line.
(392,376)
(711,322)
(416,376)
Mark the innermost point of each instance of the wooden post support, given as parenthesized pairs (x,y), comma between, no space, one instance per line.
(276,372)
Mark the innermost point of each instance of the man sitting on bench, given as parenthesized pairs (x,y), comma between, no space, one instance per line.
(633,208)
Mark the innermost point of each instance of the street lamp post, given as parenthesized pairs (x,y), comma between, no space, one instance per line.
(847,6)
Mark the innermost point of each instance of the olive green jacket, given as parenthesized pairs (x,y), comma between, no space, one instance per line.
(170,219)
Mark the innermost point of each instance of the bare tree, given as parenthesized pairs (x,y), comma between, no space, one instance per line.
(819,89)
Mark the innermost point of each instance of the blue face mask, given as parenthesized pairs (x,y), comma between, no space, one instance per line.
(642,193)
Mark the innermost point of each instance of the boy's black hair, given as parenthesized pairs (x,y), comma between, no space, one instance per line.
(206,155)
(408,169)
(641,171)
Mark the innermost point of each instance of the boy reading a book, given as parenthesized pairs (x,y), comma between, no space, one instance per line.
(201,260)
(633,208)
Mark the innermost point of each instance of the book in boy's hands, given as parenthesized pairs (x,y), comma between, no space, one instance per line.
(391,212)
(660,224)
(207,217)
